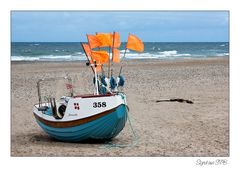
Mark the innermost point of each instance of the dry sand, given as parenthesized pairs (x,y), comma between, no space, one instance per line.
(163,128)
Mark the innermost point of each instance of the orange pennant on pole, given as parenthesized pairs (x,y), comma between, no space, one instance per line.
(100,56)
(116,56)
(87,49)
(134,43)
(105,39)
(93,41)
(116,40)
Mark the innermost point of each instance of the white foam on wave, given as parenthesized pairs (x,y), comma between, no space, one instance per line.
(155,48)
(173,54)
(123,51)
(48,58)
(24,58)
(35,44)
(141,56)
(168,53)
(163,54)
(79,56)
(79,53)
(223,54)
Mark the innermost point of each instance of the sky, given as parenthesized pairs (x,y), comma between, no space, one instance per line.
(150,26)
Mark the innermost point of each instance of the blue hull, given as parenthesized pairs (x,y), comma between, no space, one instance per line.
(103,128)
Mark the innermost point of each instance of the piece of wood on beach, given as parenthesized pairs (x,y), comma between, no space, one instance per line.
(175,100)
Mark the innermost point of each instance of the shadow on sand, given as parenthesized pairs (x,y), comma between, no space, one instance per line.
(45,138)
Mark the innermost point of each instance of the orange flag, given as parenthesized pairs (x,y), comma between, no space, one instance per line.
(116,55)
(100,57)
(94,56)
(105,39)
(134,43)
(93,41)
(87,49)
(116,40)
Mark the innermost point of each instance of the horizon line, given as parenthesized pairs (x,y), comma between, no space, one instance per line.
(121,42)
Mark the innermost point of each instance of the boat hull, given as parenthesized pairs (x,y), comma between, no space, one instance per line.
(104,127)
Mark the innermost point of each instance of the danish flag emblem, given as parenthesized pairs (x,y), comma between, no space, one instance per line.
(76,106)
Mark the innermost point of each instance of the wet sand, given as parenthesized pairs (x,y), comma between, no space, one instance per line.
(163,128)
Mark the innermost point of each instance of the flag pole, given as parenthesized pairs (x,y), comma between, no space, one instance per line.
(96,77)
(94,70)
(112,53)
(126,47)
(124,56)
(113,44)
(98,47)
(120,71)
(102,64)
(125,52)
(109,62)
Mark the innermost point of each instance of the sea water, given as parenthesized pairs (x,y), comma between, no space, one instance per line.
(72,51)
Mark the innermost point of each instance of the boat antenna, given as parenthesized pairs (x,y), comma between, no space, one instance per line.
(103,73)
(113,43)
(126,47)
(120,71)
(124,56)
(109,63)
(96,76)
(39,93)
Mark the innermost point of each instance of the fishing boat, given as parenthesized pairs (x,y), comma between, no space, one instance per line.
(99,116)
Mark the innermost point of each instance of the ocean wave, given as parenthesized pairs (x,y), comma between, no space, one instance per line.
(34,44)
(82,57)
(160,55)
(123,51)
(48,58)
(222,54)
(24,58)
(155,48)
(166,55)
(141,56)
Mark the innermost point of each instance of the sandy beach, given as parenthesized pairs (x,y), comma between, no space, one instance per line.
(163,128)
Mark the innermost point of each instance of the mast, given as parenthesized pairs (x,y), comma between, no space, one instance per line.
(112,53)
(96,77)
(109,62)
(126,47)
(95,71)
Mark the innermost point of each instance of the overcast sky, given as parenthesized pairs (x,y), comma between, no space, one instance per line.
(165,26)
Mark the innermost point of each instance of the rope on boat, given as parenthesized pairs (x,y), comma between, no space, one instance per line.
(134,142)
(135,138)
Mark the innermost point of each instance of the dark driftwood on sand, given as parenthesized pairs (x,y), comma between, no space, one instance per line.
(176,100)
